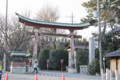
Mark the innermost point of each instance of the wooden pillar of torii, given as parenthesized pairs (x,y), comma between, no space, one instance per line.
(72,65)
(35,45)
(71,27)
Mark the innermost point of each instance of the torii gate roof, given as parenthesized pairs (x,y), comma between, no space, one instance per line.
(38,24)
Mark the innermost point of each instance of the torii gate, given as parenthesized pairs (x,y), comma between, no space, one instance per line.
(71,27)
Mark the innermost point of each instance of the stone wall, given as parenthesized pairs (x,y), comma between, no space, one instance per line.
(18,67)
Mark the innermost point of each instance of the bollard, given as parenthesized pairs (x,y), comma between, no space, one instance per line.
(47,64)
(30,65)
(61,64)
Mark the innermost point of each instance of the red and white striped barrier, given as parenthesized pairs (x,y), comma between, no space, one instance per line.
(54,75)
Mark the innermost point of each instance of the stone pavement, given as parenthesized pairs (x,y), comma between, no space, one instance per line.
(50,75)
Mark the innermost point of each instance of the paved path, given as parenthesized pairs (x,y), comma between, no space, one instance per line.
(50,75)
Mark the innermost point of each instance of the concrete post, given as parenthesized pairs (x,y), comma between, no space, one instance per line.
(102,76)
(6,17)
(111,75)
(100,41)
(116,75)
(107,74)
(91,49)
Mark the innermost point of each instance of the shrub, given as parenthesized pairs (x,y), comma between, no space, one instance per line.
(62,45)
(81,58)
(55,56)
(94,68)
(43,56)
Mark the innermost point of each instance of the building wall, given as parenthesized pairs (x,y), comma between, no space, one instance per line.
(113,65)
(119,66)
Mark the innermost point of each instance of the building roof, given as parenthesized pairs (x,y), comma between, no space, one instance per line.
(38,24)
(117,29)
(20,53)
(113,54)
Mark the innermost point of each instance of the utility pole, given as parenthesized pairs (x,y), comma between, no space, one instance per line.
(72,17)
(99,24)
(5,34)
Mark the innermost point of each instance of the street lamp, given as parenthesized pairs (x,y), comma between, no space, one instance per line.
(5,35)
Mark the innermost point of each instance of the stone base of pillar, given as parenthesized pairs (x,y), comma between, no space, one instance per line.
(72,70)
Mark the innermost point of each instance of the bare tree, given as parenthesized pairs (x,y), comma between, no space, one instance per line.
(18,39)
(48,14)
(16,36)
